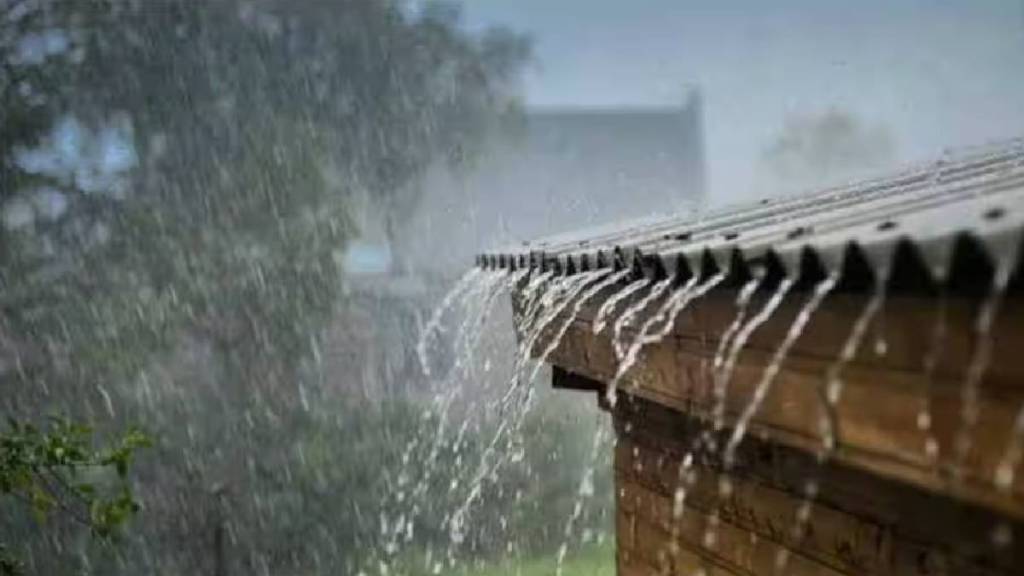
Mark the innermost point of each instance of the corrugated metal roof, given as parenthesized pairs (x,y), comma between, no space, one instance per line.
(926,226)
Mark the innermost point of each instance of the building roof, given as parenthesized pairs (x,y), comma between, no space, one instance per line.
(928,225)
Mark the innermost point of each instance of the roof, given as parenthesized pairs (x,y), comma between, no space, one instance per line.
(948,222)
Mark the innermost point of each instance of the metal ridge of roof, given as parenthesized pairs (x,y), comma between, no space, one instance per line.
(919,225)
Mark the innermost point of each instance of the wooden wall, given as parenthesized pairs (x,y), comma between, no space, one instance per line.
(882,394)
(858,523)
(887,503)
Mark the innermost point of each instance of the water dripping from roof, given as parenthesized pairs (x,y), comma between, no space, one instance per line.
(743,298)
(630,314)
(592,292)
(434,324)
(585,490)
(832,386)
(981,358)
(548,304)
(711,531)
(629,358)
(829,393)
(771,371)
(572,296)
(936,345)
(609,306)
(724,375)
(666,316)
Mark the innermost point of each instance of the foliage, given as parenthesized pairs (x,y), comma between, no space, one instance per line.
(229,223)
(594,560)
(56,470)
(9,565)
(177,182)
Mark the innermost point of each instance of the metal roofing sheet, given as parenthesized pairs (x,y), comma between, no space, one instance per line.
(976,196)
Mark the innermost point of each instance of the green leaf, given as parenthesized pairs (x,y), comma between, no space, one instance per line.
(9,565)
(86,490)
(42,503)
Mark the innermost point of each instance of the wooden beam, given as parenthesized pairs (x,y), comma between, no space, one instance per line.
(883,393)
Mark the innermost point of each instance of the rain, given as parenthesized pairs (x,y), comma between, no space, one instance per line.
(410,288)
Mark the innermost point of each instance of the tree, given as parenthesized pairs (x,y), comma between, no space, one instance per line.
(55,470)
(174,186)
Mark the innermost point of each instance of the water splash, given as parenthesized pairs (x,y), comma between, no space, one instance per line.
(741,304)
(723,377)
(534,299)
(775,365)
(479,303)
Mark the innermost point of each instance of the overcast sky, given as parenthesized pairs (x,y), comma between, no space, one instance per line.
(934,73)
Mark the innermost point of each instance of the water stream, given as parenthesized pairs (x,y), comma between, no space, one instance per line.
(981,357)
(742,336)
(743,298)
(936,345)
(822,290)
(666,315)
(630,314)
(559,295)
(547,306)
(586,297)
(464,283)
(573,295)
(609,306)
(585,490)
(830,393)
(476,297)
(724,375)
(831,390)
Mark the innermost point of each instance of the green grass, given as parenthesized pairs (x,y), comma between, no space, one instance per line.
(591,561)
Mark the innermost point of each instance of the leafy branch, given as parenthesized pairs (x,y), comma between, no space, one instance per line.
(57,471)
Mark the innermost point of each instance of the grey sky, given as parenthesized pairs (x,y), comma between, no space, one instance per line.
(934,73)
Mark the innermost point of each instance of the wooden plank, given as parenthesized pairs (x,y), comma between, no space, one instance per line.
(859,524)
(877,415)
(733,549)
(904,325)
